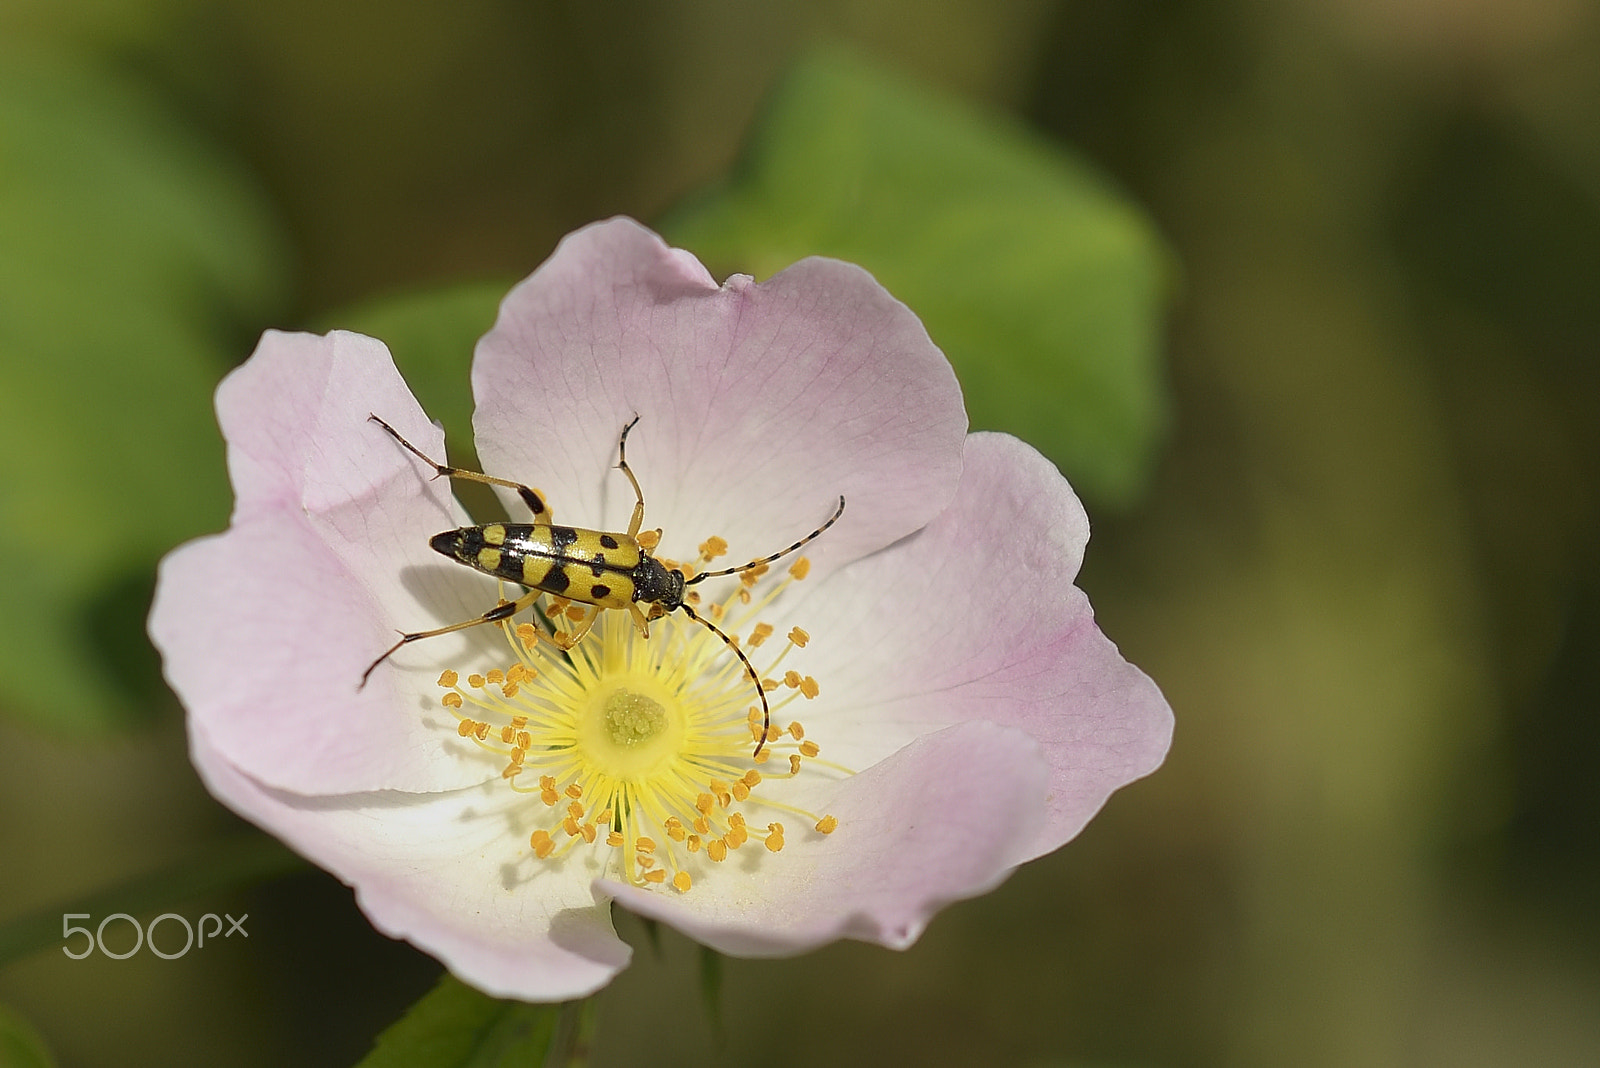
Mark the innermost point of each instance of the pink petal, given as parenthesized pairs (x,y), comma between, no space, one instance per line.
(266,628)
(759,405)
(444,872)
(947,817)
(976,618)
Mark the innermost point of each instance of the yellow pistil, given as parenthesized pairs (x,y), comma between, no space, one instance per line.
(642,750)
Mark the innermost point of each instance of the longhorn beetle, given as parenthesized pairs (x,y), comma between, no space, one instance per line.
(604,570)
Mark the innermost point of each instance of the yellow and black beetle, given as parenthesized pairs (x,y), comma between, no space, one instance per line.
(604,570)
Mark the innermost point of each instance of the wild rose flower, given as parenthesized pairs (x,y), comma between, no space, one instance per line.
(943,706)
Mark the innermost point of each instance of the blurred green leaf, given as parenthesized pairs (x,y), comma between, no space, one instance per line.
(127,249)
(1042,284)
(20,1045)
(454,1026)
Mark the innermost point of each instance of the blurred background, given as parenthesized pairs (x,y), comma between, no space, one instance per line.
(1301,295)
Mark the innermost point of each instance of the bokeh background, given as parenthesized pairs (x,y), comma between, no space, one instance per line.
(1347,520)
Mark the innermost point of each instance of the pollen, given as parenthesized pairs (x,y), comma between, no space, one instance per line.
(630,756)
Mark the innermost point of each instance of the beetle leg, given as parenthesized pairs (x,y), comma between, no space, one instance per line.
(530,497)
(622,464)
(568,641)
(640,621)
(504,610)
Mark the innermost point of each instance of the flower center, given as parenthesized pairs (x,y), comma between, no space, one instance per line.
(643,750)
(632,718)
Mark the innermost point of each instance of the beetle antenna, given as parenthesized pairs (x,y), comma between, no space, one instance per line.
(766,712)
(703,575)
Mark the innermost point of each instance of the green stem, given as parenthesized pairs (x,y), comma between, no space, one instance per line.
(569,1046)
(223,865)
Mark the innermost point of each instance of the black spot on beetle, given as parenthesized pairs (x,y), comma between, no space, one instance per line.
(562,537)
(607,541)
(555,580)
(599,591)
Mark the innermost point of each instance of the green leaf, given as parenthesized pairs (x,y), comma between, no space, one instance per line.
(20,1045)
(126,251)
(1041,282)
(454,1026)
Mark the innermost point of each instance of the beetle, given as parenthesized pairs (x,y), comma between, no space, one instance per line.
(606,570)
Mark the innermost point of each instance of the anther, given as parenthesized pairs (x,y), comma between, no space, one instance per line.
(681,882)
(448,679)
(800,568)
(828,824)
(799,637)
